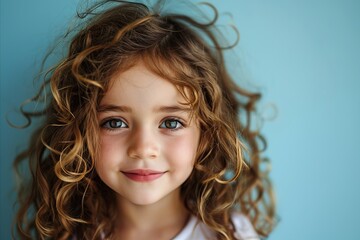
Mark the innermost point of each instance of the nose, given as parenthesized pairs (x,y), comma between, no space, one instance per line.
(143,144)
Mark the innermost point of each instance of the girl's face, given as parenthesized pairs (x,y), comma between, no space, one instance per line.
(148,141)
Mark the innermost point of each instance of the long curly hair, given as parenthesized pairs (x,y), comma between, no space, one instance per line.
(65,197)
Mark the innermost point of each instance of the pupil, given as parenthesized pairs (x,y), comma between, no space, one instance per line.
(115,123)
(170,124)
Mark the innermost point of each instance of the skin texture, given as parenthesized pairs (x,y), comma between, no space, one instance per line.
(144,126)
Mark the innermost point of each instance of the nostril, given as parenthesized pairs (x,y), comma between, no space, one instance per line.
(142,152)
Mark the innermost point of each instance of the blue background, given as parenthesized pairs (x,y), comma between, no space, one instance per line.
(304,57)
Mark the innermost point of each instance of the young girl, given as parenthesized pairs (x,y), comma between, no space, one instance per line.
(142,138)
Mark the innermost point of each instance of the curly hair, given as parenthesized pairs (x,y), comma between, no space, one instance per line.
(66,197)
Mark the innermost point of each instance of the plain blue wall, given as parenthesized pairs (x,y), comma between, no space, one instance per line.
(304,55)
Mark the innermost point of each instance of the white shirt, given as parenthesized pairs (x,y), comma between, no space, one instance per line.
(197,230)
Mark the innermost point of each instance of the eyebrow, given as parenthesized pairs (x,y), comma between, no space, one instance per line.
(113,108)
(166,109)
(171,109)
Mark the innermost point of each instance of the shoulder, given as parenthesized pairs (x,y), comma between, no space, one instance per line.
(196,230)
(243,227)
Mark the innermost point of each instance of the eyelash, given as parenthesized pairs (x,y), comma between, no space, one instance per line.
(106,124)
(178,122)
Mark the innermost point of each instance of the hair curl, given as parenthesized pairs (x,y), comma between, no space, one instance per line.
(66,197)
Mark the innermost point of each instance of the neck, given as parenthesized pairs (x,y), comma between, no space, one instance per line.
(167,214)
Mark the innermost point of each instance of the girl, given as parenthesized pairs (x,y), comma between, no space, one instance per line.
(142,139)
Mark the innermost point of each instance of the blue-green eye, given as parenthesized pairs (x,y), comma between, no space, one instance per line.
(171,124)
(114,123)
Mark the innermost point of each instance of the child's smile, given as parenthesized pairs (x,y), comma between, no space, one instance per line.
(143,175)
(148,140)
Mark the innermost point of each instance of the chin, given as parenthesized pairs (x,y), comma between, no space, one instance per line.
(144,200)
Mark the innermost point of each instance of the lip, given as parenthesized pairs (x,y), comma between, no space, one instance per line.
(143,175)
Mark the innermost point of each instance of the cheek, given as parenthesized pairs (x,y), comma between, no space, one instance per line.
(181,151)
(110,152)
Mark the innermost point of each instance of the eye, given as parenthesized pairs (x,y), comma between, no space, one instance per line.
(114,123)
(171,124)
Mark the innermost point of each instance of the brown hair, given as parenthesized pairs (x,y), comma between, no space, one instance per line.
(65,197)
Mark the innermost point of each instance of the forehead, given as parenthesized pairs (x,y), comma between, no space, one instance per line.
(140,87)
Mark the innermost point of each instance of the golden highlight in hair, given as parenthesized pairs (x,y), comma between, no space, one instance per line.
(65,196)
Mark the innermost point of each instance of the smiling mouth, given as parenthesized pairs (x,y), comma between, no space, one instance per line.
(143,175)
